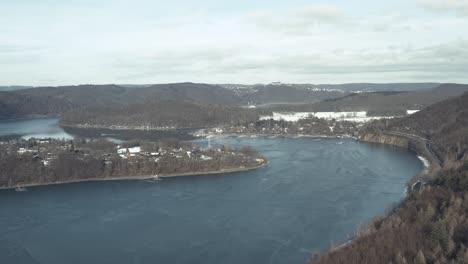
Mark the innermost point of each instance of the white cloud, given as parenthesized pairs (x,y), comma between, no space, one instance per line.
(318,13)
(314,43)
(296,21)
(455,6)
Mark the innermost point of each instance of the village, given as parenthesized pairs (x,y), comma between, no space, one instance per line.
(26,162)
(307,126)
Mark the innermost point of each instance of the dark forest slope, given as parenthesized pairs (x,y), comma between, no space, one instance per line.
(430,225)
(384,103)
(445,124)
(289,94)
(159,115)
(52,101)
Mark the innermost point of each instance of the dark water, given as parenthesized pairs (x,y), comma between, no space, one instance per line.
(49,128)
(313,192)
(29,128)
(129,135)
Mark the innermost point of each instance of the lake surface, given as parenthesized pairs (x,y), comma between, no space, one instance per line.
(33,128)
(313,193)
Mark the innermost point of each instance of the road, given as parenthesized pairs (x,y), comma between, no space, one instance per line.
(425,142)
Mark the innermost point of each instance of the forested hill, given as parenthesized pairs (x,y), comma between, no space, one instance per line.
(52,101)
(14,105)
(445,124)
(384,103)
(159,115)
(14,88)
(289,94)
(55,101)
(279,93)
(430,224)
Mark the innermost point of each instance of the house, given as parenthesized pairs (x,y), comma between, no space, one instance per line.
(133,150)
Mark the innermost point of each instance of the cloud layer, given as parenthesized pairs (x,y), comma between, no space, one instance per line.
(455,6)
(155,42)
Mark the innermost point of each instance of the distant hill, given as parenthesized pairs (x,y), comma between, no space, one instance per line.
(13,105)
(347,87)
(384,103)
(13,88)
(52,101)
(279,93)
(159,114)
(188,92)
(376,87)
(288,94)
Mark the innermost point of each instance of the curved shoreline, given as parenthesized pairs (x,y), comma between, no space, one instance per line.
(125,128)
(426,166)
(278,136)
(144,177)
(427,162)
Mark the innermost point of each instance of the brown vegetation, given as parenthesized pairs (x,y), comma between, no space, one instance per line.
(159,115)
(430,226)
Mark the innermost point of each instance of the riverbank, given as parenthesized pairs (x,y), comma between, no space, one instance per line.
(145,177)
(122,127)
(417,145)
(400,142)
(427,162)
(252,135)
(30,117)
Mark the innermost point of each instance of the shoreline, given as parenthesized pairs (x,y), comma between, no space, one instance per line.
(144,177)
(276,136)
(29,118)
(427,163)
(125,128)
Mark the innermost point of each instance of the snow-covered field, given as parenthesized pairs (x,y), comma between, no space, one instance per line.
(359,117)
(343,116)
(291,117)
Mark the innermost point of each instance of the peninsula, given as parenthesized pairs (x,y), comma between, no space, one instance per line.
(49,161)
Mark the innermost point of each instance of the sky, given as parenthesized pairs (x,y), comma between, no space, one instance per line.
(56,42)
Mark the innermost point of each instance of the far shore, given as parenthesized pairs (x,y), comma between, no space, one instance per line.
(277,135)
(29,118)
(428,167)
(144,177)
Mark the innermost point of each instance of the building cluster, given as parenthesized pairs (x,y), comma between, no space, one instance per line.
(45,150)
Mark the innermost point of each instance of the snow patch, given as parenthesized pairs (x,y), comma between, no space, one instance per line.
(288,116)
(410,112)
(359,117)
(129,150)
(425,162)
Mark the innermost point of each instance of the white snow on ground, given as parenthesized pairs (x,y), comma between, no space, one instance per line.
(425,162)
(340,115)
(130,150)
(288,116)
(410,112)
(359,117)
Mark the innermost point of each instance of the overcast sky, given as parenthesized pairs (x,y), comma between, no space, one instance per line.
(56,42)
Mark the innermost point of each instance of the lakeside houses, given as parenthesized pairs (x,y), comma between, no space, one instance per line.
(75,160)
